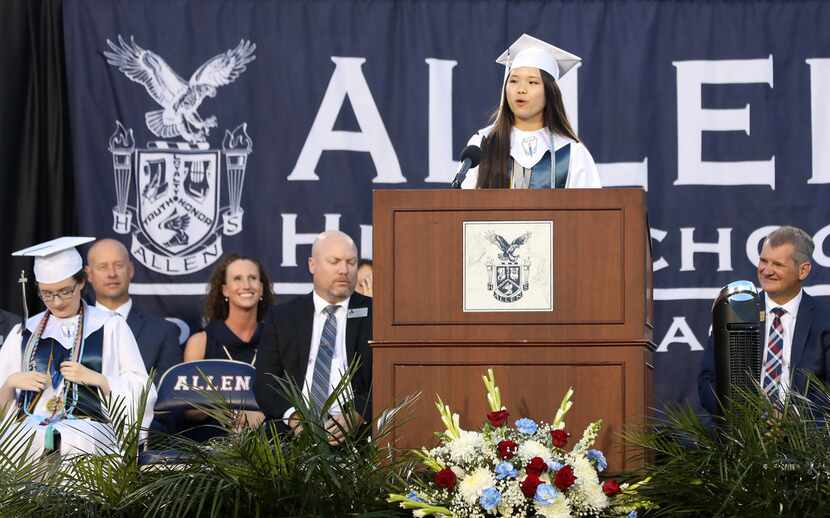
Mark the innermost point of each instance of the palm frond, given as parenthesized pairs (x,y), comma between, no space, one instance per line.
(252,472)
(759,457)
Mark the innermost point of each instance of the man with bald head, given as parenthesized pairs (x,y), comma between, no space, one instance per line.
(313,339)
(109,271)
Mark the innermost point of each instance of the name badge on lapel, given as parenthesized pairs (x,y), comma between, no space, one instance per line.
(357,313)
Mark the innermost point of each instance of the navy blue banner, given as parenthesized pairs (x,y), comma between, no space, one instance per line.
(211,126)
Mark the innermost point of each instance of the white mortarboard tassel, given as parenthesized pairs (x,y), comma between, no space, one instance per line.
(528,51)
(56,260)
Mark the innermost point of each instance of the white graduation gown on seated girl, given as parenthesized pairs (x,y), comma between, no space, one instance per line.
(121,364)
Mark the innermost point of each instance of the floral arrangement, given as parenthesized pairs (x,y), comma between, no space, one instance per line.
(523,471)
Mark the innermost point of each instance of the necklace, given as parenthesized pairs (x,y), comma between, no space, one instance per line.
(228,354)
(57,402)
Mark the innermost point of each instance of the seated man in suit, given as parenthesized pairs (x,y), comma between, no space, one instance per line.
(110,271)
(7,322)
(314,337)
(797,338)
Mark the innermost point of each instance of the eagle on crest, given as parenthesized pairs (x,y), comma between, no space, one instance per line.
(178,98)
(508,250)
(177,223)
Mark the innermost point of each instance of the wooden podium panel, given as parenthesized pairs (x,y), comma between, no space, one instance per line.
(597,337)
(438,302)
(533,378)
(600,266)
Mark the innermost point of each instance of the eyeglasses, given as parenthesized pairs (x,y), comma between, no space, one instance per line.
(64,294)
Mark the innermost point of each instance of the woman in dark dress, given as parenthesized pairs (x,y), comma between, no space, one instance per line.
(238,297)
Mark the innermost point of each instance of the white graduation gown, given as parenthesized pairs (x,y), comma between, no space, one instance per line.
(582,171)
(121,364)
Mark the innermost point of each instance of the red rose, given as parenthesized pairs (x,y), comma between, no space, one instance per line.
(507,449)
(446,478)
(498,418)
(530,484)
(564,478)
(536,466)
(560,438)
(611,487)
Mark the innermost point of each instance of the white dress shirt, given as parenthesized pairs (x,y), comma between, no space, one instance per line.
(123,309)
(788,322)
(340,360)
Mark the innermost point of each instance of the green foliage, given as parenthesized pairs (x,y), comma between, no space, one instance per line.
(758,458)
(255,472)
(77,485)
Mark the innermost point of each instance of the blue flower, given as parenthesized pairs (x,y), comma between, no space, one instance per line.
(505,470)
(554,466)
(490,498)
(598,459)
(414,497)
(546,494)
(527,426)
(632,514)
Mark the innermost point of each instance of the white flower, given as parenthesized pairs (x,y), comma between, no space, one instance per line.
(530,449)
(588,437)
(587,483)
(558,509)
(473,484)
(465,447)
(584,470)
(513,501)
(593,496)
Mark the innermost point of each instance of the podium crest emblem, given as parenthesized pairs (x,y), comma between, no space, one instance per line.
(507,266)
(508,276)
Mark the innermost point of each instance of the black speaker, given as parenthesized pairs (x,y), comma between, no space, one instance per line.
(738,334)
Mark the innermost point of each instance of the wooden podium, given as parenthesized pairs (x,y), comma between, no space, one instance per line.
(597,338)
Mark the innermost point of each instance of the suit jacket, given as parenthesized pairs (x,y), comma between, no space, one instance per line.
(810,351)
(7,322)
(158,341)
(285,345)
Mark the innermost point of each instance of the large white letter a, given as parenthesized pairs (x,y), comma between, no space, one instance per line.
(348,79)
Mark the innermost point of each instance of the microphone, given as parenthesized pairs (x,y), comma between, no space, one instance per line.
(470,157)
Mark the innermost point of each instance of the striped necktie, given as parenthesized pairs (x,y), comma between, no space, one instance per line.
(320,382)
(774,357)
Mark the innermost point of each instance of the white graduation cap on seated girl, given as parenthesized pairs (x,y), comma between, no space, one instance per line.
(528,51)
(64,407)
(57,259)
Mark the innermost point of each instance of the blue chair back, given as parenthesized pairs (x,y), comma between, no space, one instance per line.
(189,383)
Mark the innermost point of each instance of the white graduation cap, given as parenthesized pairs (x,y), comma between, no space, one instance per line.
(528,51)
(57,259)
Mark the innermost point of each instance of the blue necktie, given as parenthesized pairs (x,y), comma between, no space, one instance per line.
(322,366)
(774,356)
